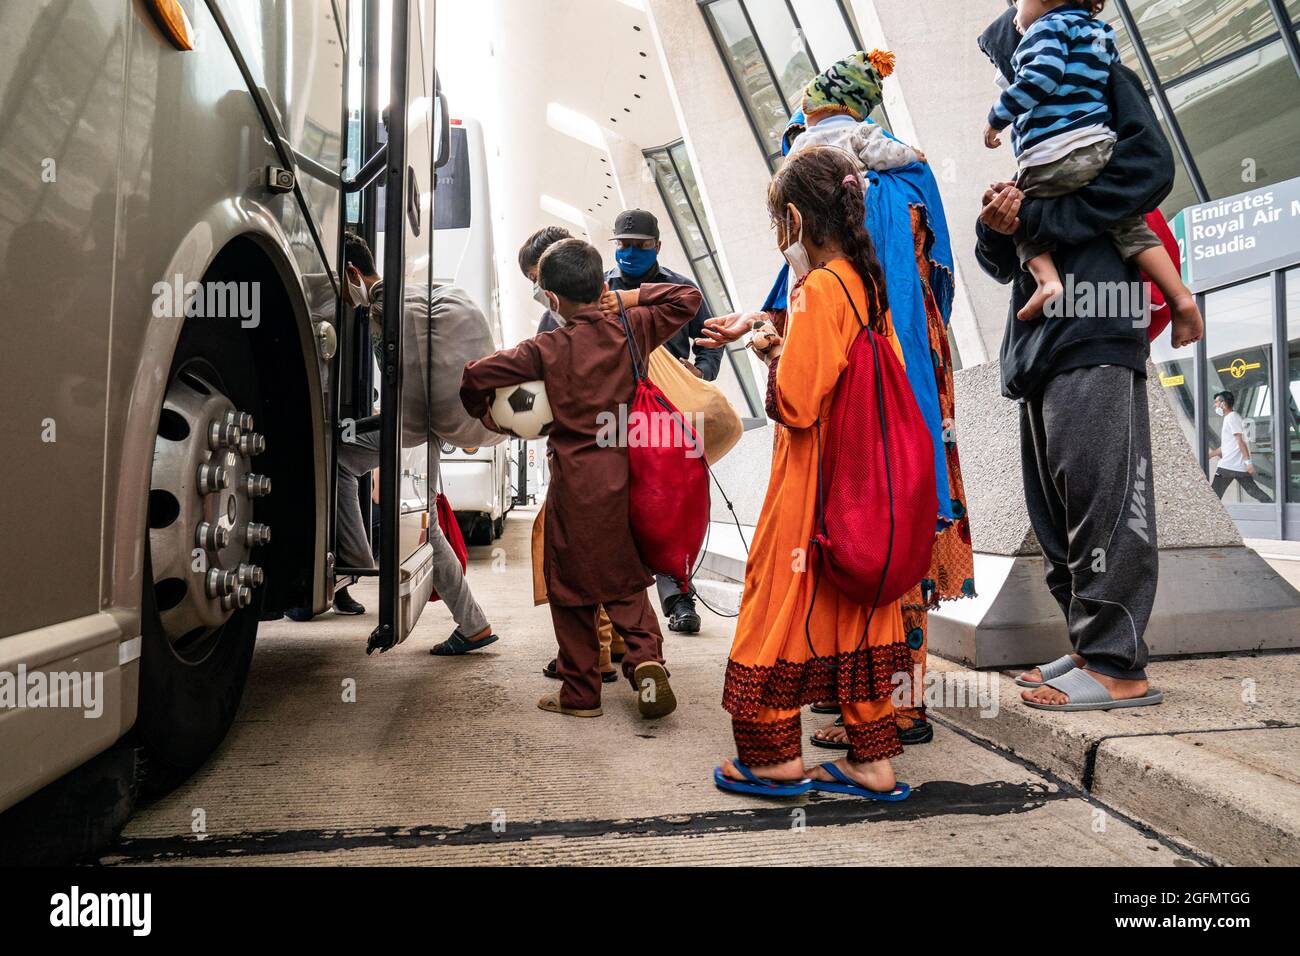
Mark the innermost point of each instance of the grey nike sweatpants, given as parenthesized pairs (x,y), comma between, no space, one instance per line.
(356,459)
(1085,451)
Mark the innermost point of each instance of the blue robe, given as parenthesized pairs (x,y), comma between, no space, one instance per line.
(889,200)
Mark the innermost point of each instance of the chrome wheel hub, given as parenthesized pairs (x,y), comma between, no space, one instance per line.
(201,532)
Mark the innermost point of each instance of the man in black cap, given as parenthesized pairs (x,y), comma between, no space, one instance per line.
(636,250)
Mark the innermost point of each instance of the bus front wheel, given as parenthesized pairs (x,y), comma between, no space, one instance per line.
(203,587)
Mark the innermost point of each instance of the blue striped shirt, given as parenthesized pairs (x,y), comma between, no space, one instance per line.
(1062,66)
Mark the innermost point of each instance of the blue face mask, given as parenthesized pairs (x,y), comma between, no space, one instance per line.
(634,262)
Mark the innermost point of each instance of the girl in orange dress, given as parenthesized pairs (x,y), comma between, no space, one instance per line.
(790,650)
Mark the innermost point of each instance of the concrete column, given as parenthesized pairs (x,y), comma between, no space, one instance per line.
(729,167)
(938,99)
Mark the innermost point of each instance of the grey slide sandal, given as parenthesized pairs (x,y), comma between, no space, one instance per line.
(1056,668)
(1088,693)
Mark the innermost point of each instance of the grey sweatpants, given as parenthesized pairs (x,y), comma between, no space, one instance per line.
(357,459)
(1085,452)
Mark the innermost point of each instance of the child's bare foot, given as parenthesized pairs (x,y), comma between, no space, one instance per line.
(781,772)
(1187,321)
(1046,292)
(875,775)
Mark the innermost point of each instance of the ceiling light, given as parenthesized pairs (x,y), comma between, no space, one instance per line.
(572,123)
(562,210)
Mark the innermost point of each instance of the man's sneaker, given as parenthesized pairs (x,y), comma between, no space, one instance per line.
(343,603)
(683,617)
(299,614)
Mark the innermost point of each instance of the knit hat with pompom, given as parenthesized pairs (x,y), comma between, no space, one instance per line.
(852,84)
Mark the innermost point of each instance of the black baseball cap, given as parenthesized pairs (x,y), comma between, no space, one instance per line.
(636,224)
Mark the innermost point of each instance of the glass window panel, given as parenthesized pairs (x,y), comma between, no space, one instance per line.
(1177,371)
(687,173)
(1293,9)
(679,206)
(1239,343)
(784,47)
(1182,35)
(1182,194)
(764,104)
(825,29)
(1293,381)
(711,284)
(1240,121)
(1127,55)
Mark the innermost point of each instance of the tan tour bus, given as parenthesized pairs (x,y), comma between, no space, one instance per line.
(176,177)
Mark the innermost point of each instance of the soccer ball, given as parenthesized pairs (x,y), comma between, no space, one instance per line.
(523,409)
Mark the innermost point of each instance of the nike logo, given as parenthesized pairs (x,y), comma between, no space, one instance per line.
(1137,521)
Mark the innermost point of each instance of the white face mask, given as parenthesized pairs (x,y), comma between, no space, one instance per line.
(1218,410)
(539,296)
(360,294)
(554,307)
(795,253)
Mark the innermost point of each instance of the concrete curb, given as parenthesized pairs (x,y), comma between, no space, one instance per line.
(1216,774)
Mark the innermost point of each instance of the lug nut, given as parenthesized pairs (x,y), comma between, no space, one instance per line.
(212,537)
(257,534)
(240,597)
(244,421)
(251,443)
(250,574)
(257,486)
(213,478)
(220,582)
(222,434)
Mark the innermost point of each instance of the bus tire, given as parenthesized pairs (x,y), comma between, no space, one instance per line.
(191,686)
(481,533)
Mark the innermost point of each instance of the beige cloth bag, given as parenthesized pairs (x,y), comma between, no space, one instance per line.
(610,640)
(539,540)
(694,397)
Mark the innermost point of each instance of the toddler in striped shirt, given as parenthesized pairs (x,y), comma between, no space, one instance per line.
(1059,114)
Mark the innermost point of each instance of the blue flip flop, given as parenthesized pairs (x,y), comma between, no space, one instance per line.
(843,783)
(757,785)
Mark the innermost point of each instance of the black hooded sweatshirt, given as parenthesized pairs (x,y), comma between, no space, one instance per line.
(1138,177)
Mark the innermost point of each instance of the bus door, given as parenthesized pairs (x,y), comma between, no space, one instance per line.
(403,233)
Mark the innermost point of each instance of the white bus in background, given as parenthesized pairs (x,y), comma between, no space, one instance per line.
(476,481)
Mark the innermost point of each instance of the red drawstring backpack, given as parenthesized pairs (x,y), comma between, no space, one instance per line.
(451,530)
(876,497)
(1160,311)
(668,479)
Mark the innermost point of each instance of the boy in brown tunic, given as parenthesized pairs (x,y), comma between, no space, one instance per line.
(590,558)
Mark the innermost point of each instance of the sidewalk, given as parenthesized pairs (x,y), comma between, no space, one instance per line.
(1217,766)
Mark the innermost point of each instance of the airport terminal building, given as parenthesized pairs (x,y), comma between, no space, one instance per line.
(1224,80)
